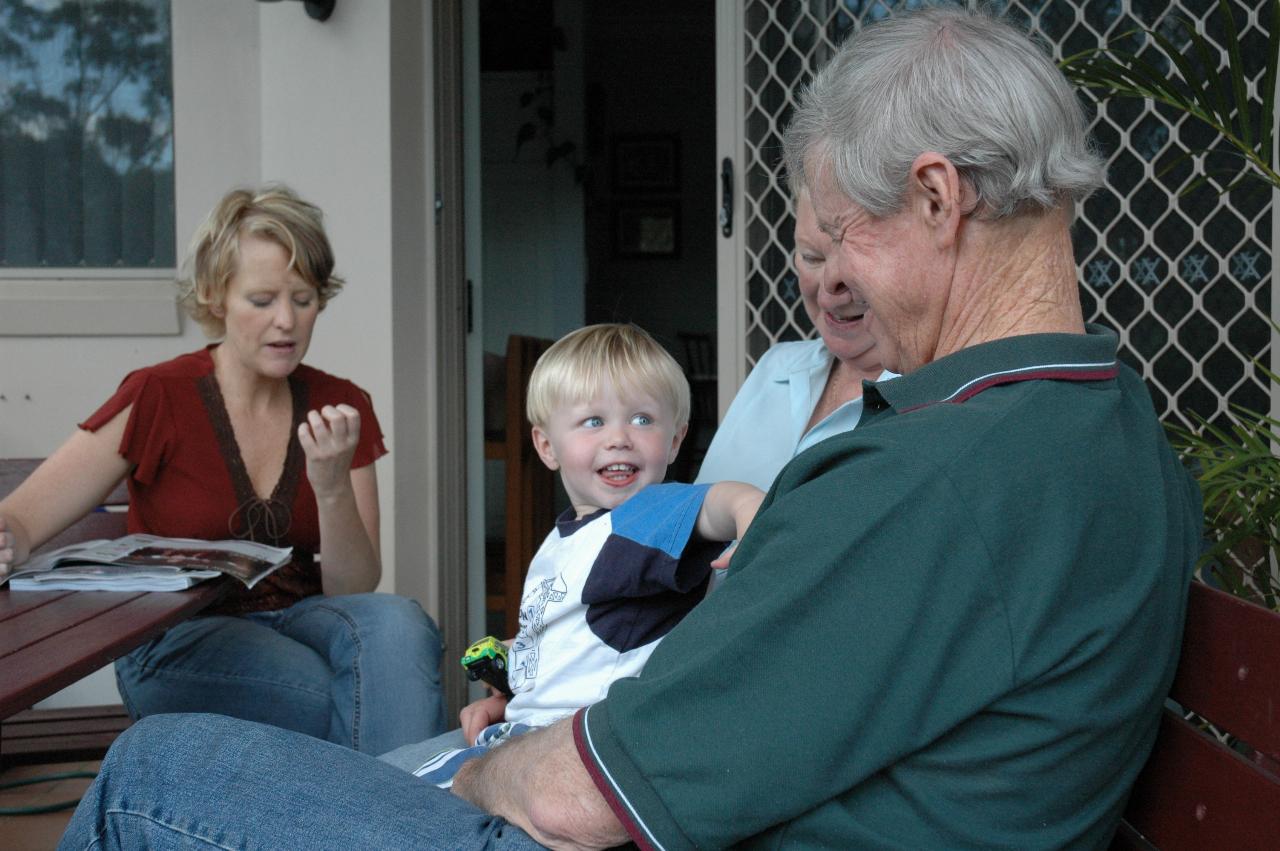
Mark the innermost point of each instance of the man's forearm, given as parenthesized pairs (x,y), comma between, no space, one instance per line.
(538,783)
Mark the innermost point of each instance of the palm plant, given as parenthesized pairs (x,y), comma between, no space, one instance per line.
(1237,465)
(1197,89)
(1239,476)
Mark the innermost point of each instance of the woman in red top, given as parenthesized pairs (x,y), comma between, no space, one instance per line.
(242,440)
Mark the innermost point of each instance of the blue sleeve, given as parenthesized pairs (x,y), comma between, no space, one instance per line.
(644,554)
(661,516)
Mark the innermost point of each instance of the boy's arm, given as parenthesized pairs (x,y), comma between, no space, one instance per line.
(477,715)
(727,510)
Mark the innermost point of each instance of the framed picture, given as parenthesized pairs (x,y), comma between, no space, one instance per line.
(646,164)
(646,229)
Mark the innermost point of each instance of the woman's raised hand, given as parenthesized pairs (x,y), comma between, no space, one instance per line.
(8,548)
(328,439)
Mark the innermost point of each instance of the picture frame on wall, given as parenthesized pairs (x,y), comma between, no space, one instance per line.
(649,163)
(646,229)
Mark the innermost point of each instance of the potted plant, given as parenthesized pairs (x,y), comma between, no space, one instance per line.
(1237,465)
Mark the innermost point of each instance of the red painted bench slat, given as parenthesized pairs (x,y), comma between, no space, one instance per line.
(1195,792)
(1230,667)
(100,525)
(62,735)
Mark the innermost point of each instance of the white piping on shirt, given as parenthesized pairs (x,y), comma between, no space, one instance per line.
(1037,367)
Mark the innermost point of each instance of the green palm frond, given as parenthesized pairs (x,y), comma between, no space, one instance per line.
(1239,475)
(1236,463)
(1196,89)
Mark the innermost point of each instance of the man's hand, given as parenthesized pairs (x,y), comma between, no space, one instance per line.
(538,783)
(481,713)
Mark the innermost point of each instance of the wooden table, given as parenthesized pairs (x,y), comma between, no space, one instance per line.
(51,639)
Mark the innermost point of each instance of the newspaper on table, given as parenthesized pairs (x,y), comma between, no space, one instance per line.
(146,563)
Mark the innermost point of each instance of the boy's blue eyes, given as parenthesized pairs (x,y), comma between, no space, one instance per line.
(598,422)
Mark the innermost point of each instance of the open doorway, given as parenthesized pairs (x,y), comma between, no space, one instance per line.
(597,202)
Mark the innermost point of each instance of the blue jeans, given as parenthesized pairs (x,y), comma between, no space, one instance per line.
(360,670)
(207,781)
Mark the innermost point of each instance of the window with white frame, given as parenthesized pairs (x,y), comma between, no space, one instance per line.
(86,139)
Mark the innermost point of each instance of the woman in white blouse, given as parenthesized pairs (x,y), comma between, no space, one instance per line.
(801,392)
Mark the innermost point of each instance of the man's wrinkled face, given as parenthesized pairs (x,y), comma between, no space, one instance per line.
(886,263)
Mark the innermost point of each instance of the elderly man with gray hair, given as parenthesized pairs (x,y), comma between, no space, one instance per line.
(952,627)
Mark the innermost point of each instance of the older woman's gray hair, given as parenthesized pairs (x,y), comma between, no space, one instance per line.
(959,83)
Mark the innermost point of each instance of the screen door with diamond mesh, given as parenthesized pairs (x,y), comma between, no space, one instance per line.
(1184,277)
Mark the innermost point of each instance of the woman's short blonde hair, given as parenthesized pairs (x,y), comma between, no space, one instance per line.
(582,363)
(273,212)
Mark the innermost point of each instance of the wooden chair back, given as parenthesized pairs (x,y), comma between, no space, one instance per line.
(530,486)
(1196,792)
(107,521)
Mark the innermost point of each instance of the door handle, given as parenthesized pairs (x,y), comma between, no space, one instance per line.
(726,197)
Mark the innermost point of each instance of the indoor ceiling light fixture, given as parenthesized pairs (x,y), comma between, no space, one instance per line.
(320,10)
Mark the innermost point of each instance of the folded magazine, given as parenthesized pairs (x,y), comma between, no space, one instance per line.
(146,563)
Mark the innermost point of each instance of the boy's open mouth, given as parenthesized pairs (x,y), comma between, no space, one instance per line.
(618,474)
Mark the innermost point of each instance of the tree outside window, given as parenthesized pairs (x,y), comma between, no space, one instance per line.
(86,135)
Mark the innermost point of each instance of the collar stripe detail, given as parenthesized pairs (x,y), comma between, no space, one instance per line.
(608,788)
(1047,371)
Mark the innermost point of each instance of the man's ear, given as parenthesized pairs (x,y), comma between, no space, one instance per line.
(542,445)
(676,440)
(937,196)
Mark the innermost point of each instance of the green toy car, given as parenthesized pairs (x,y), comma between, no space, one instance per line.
(486,660)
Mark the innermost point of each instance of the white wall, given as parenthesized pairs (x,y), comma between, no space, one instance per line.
(262,92)
(325,117)
(52,383)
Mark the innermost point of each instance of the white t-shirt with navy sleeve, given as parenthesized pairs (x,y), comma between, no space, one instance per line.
(600,593)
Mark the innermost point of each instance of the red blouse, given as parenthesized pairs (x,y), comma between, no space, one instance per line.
(189,481)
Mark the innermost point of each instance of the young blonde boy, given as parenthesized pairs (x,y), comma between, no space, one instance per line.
(625,563)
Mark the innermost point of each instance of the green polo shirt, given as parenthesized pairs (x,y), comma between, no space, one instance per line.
(952,627)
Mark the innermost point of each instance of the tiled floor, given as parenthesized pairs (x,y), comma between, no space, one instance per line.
(39,832)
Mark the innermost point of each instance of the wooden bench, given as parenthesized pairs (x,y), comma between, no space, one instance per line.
(51,639)
(1196,792)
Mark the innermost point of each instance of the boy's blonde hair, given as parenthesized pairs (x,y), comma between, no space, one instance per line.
(582,363)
